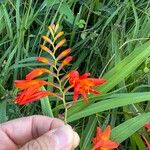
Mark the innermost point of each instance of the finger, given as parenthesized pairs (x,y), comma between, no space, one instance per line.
(76,140)
(22,130)
(62,138)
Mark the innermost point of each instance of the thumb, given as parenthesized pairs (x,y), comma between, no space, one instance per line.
(62,138)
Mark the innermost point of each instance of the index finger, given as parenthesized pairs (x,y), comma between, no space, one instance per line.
(22,130)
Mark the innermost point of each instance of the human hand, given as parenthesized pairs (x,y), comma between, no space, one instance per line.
(37,133)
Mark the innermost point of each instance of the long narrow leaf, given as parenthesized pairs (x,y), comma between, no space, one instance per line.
(126,129)
(110,104)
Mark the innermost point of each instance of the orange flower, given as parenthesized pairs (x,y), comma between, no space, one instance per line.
(102,142)
(31,94)
(147,126)
(37,72)
(24,84)
(83,85)
(64,53)
(46,49)
(45,61)
(65,62)
(59,35)
(60,44)
(30,88)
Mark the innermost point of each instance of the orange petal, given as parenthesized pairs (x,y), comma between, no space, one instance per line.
(98,146)
(47,40)
(76,93)
(30,95)
(24,84)
(74,74)
(99,132)
(97,81)
(37,72)
(65,62)
(60,44)
(64,53)
(45,61)
(110,144)
(147,126)
(85,75)
(94,91)
(43,47)
(106,133)
(59,35)
(83,94)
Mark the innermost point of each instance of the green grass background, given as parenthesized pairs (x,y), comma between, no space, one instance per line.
(109,39)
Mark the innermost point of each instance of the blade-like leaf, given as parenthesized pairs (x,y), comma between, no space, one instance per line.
(126,129)
(124,99)
(46,106)
(3,116)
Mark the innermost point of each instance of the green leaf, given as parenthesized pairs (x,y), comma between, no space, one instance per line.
(114,102)
(126,129)
(121,71)
(65,10)
(52,2)
(126,67)
(3,117)
(46,106)
(88,132)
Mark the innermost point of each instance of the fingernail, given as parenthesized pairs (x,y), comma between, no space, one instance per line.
(76,140)
(63,136)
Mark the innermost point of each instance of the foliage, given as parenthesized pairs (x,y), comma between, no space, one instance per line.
(109,39)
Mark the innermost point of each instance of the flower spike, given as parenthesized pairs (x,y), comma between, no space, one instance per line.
(30,87)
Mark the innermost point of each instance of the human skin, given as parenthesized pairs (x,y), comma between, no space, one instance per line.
(37,133)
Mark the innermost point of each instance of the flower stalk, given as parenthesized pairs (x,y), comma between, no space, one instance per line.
(81,84)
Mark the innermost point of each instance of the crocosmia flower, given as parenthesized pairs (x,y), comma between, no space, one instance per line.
(148,127)
(30,87)
(102,140)
(83,85)
(31,94)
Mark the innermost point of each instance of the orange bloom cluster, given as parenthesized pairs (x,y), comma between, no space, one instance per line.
(30,87)
(148,127)
(83,85)
(102,140)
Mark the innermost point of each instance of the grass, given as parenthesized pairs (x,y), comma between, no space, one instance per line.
(110,39)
